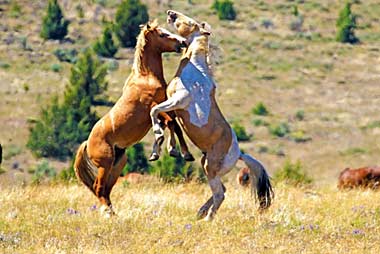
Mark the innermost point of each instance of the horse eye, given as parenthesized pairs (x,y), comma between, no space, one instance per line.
(163,35)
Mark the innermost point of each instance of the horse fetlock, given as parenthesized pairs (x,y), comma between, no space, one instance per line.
(202,213)
(154,156)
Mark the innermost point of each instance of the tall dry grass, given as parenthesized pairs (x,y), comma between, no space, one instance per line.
(158,218)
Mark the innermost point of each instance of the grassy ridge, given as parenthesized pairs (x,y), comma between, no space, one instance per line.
(157,218)
(335,85)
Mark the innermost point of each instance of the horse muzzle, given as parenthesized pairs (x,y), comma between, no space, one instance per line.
(172,16)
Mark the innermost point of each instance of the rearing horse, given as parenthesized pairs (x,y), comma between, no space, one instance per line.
(100,160)
(192,95)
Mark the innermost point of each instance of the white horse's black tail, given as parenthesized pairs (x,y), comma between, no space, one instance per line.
(260,181)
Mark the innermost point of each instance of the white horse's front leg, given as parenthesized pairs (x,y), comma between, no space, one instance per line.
(177,101)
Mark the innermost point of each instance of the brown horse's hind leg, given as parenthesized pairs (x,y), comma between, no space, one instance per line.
(103,161)
(120,162)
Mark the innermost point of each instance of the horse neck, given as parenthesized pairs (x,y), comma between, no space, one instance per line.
(199,55)
(150,63)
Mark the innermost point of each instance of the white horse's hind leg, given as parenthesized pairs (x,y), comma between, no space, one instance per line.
(217,195)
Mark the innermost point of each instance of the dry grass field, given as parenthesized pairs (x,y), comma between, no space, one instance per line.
(258,58)
(158,218)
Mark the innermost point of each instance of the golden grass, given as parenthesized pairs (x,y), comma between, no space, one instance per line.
(158,218)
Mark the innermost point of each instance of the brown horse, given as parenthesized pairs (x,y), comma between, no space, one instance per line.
(242,177)
(192,95)
(362,177)
(101,158)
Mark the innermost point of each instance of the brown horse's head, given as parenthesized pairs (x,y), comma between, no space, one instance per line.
(184,25)
(162,39)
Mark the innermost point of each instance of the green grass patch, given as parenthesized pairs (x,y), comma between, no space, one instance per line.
(292,173)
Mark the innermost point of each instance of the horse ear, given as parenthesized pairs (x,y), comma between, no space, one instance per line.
(141,26)
(148,26)
(205,28)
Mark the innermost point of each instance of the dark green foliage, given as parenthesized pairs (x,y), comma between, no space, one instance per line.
(300,115)
(225,9)
(346,25)
(136,160)
(54,25)
(62,127)
(129,16)
(292,173)
(105,46)
(69,173)
(279,130)
(240,132)
(171,169)
(260,109)
(43,171)
(66,55)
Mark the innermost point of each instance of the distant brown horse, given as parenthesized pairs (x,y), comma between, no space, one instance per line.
(242,177)
(192,95)
(101,158)
(133,178)
(361,177)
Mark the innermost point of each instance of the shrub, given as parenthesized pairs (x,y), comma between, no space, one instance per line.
(292,173)
(346,25)
(66,55)
(105,46)
(300,115)
(225,9)
(54,25)
(260,109)
(171,169)
(56,67)
(136,160)
(259,122)
(240,132)
(15,10)
(43,171)
(12,151)
(129,15)
(279,130)
(62,127)
(299,136)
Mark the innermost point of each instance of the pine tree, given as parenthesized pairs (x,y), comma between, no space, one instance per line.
(54,25)
(136,160)
(129,16)
(346,25)
(225,9)
(105,46)
(62,127)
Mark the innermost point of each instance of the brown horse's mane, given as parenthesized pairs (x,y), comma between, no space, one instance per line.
(140,44)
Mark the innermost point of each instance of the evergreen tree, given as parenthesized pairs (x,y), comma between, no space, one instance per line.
(346,25)
(62,127)
(54,25)
(225,9)
(136,160)
(105,46)
(129,16)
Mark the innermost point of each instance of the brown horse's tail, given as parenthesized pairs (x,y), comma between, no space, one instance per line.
(260,181)
(85,169)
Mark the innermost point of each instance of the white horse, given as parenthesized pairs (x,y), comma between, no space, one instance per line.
(191,94)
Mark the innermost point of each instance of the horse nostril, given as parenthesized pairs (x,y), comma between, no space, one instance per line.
(172,15)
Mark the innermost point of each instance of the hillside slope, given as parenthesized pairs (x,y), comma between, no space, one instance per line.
(258,58)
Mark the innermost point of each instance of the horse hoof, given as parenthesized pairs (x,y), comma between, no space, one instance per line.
(201,214)
(154,157)
(174,153)
(189,157)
